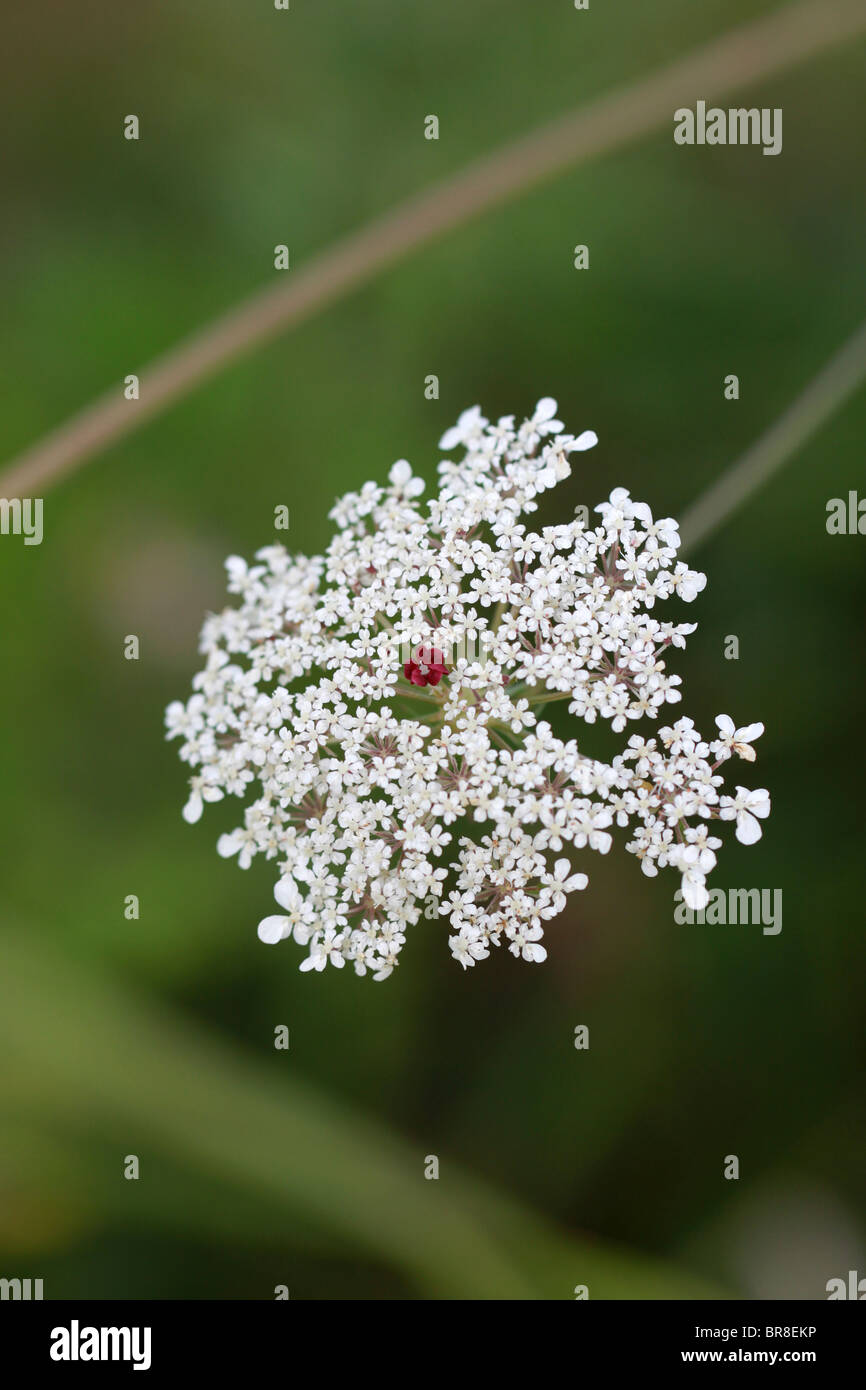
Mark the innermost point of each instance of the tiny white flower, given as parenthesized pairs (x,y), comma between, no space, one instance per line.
(565,880)
(735,740)
(744,807)
(401,477)
(469,426)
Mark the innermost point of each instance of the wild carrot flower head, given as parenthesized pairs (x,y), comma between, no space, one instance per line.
(378,708)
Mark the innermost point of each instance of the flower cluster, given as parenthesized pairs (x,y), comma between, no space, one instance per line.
(379,708)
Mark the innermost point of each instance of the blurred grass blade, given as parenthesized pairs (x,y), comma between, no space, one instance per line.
(830,389)
(752,51)
(82,1052)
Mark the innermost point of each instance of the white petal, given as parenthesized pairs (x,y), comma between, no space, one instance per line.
(748,830)
(270,929)
(449,439)
(286,893)
(750,732)
(587,440)
(400,473)
(695,893)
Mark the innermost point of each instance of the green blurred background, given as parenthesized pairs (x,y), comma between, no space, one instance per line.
(155,1037)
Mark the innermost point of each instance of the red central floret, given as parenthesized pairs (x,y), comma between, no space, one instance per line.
(427,667)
